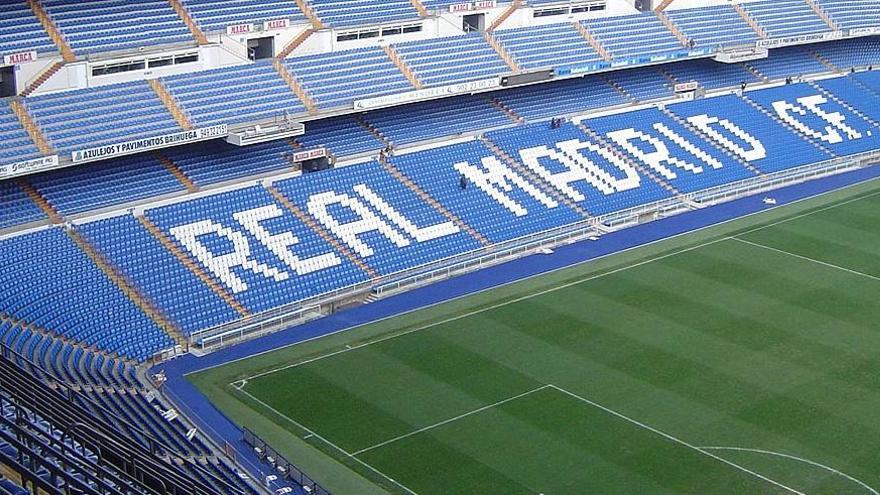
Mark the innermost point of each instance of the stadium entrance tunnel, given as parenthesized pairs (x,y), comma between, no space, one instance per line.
(7,81)
(473,22)
(261,48)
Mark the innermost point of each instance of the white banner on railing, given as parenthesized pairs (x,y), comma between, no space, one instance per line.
(276,24)
(29,166)
(736,56)
(240,29)
(131,147)
(798,40)
(453,89)
(469,6)
(301,156)
(865,31)
(19,58)
(687,86)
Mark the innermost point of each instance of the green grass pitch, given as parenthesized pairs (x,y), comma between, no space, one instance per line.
(739,359)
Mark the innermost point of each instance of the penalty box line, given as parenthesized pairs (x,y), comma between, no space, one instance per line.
(579,281)
(807,258)
(312,433)
(450,420)
(676,440)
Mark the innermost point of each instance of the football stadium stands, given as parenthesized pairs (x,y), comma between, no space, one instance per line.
(701,26)
(633,36)
(852,13)
(215,15)
(550,45)
(94,117)
(113,25)
(111,266)
(439,62)
(781,18)
(20,30)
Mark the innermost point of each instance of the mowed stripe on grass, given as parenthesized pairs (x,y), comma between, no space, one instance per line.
(730,344)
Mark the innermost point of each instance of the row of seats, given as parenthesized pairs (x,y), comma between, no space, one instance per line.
(444,61)
(130,111)
(111,25)
(781,18)
(105,184)
(101,26)
(268,247)
(108,390)
(90,118)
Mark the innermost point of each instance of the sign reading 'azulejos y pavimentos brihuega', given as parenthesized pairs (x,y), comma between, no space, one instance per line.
(151,143)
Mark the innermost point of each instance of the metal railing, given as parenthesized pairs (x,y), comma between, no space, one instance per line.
(281,465)
(306,310)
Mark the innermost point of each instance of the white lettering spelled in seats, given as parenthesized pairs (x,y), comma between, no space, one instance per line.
(787,111)
(573,148)
(369,222)
(280,244)
(221,266)
(704,124)
(497,180)
(422,234)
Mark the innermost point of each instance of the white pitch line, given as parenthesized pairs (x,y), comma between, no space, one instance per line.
(807,258)
(567,267)
(553,289)
(488,308)
(809,213)
(678,440)
(328,442)
(799,459)
(450,420)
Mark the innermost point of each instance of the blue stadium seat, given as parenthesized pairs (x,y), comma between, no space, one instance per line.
(737,126)
(599,181)
(682,158)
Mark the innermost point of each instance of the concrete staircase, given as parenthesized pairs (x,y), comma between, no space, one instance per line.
(501,51)
(587,35)
(322,232)
(295,86)
(819,11)
(310,14)
(687,125)
(663,5)
(501,106)
(296,42)
(402,66)
(127,288)
(538,182)
(192,266)
(176,172)
(191,24)
(679,35)
(44,76)
(618,88)
(452,217)
(372,129)
(822,60)
(420,8)
(755,72)
(514,5)
(52,30)
(30,126)
(170,103)
(40,201)
(757,28)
